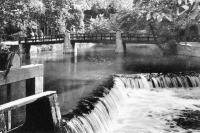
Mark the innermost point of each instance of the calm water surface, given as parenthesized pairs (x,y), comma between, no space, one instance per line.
(75,77)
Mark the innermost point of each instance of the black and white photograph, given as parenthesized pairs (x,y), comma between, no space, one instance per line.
(99,66)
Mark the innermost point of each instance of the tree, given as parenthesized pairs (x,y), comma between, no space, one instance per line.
(19,12)
(99,25)
(175,14)
(161,17)
(69,16)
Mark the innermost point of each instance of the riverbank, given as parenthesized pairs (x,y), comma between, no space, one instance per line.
(189,49)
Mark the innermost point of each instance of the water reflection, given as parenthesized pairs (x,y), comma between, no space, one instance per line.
(74,77)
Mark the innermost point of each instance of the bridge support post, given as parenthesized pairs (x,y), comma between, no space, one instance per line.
(74,49)
(67,44)
(24,48)
(120,48)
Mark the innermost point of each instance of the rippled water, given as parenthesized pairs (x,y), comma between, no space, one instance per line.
(154,111)
(74,78)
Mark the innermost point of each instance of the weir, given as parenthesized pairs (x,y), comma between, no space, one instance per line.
(97,112)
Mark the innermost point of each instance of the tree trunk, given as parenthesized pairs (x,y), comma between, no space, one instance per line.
(155,36)
(186,35)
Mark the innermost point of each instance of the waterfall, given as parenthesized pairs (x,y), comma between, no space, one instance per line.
(94,114)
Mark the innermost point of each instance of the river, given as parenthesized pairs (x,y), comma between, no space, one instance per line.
(75,77)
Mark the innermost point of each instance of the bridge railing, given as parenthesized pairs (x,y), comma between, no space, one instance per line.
(137,37)
(41,109)
(87,37)
(50,38)
(93,37)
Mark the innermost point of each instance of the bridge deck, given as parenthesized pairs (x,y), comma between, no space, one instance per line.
(85,37)
(42,40)
(95,38)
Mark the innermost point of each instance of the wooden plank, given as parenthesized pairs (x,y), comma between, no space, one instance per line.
(42,115)
(17,91)
(9,120)
(22,73)
(3,94)
(39,84)
(55,111)
(24,101)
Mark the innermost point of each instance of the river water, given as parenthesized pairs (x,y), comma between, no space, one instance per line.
(76,77)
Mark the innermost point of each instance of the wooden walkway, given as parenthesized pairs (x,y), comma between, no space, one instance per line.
(137,38)
(86,38)
(52,39)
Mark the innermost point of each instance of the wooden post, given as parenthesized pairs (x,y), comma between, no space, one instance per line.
(43,115)
(24,48)
(12,92)
(17,117)
(74,49)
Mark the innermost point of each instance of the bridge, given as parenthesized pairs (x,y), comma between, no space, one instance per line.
(87,38)
(123,38)
(111,37)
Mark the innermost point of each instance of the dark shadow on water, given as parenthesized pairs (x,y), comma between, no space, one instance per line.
(165,64)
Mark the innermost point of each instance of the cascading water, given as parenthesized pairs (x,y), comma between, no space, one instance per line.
(97,112)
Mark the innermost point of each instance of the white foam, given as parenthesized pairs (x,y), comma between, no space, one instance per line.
(147,111)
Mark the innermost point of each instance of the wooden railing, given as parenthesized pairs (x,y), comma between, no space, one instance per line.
(93,37)
(87,37)
(38,40)
(20,82)
(137,37)
(41,110)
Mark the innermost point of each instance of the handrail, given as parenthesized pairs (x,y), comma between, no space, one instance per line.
(92,37)
(24,101)
(33,105)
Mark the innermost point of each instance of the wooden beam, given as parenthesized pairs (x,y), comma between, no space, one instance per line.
(24,101)
(22,73)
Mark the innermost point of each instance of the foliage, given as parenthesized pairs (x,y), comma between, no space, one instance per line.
(19,12)
(99,24)
(104,12)
(116,4)
(70,16)
(159,16)
(32,14)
